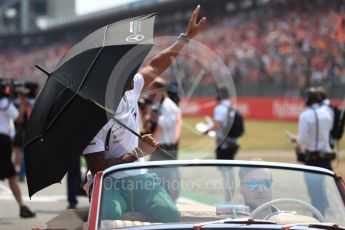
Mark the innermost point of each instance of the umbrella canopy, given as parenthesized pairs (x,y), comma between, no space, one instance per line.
(72,106)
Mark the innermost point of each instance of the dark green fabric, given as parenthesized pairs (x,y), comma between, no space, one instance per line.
(147,195)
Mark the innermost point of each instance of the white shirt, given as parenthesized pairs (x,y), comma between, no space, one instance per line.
(169,122)
(221,115)
(308,131)
(121,140)
(326,104)
(8,113)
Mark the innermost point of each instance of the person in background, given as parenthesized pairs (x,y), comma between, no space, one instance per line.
(73,182)
(314,126)
(313,144)
(228,124)
(167,132)
(8,113)
(24,107)
(169,121)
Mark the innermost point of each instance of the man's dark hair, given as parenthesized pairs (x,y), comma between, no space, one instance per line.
(322,92)
(222,93)
(312,96)
(246,170)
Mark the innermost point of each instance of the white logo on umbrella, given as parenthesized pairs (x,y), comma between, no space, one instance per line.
(135,38)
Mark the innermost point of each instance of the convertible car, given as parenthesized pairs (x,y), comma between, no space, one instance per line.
(210,194)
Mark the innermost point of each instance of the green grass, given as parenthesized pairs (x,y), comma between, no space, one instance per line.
(260,135)
(267,135)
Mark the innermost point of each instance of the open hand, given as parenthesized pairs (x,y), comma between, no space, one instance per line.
(148,144)
(194,27)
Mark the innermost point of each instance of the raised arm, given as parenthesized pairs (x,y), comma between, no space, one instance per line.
(159,63)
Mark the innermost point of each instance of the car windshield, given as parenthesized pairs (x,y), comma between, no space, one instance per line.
(202,193)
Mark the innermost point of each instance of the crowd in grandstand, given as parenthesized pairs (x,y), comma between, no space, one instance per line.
(289,44)
(18,62)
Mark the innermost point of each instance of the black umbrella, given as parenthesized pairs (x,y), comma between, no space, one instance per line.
(73,106)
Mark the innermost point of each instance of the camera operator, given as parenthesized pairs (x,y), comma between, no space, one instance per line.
(24,107)
(315,124)
(312,144)
(8,113)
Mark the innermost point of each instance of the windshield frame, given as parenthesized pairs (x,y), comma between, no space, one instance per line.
(237,163)
(232,163)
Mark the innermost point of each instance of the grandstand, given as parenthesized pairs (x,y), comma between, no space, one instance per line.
(280,46)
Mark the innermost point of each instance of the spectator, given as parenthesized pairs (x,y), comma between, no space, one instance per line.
(167,133)
(228,124)
(168,123)
(73,182)
(8,113)
(313,144)
(24,107)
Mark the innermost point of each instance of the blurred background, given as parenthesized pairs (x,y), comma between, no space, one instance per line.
(282,46)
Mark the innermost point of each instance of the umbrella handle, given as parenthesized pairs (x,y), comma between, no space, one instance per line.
(126,127)
(139,136)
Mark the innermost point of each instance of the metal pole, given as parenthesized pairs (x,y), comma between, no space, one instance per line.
(24,16)
(2,28)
